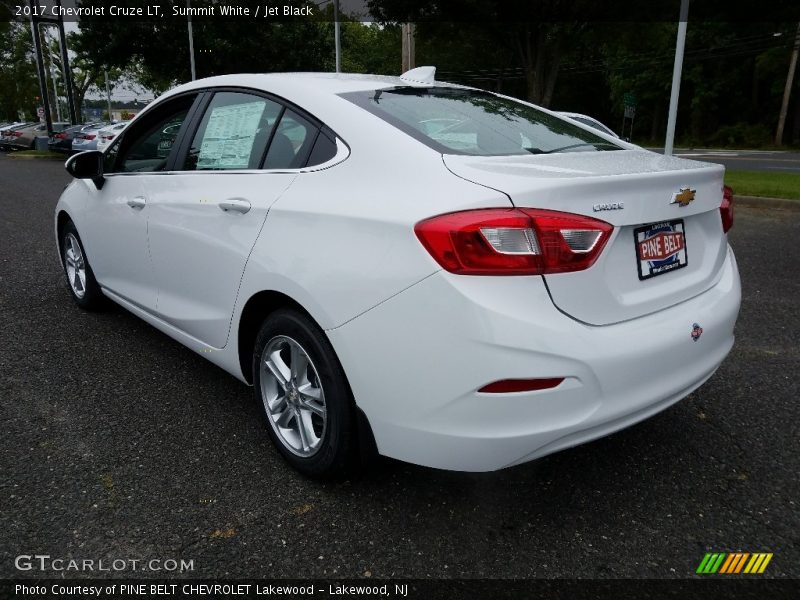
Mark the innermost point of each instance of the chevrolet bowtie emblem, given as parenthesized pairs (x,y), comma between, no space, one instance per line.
(683,197)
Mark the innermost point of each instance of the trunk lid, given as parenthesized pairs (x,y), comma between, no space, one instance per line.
(634,190)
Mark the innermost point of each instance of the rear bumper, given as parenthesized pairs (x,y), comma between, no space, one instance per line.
(416,361)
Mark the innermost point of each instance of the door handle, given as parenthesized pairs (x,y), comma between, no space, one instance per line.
(239,205)
(138,202)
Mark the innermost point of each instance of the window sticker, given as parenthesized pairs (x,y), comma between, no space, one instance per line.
(229,136)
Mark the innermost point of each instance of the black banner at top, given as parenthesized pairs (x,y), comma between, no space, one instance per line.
(485,11)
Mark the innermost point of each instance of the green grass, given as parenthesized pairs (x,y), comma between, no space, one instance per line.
(36,154)
(765,184)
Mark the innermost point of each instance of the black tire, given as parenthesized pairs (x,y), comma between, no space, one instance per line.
(92,297)
(336,454)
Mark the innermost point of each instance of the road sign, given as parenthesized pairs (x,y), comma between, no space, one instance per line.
(629,99)
(40,113)
(630,111)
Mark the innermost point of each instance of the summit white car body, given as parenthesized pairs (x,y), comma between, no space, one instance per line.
(417,342)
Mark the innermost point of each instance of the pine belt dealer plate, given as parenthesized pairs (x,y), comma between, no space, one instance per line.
(660,248)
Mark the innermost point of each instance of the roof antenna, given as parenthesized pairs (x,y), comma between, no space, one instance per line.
(421,76)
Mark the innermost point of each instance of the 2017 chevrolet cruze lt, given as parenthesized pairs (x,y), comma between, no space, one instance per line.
(440,274)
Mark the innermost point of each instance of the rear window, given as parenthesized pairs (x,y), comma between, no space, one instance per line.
(457,121)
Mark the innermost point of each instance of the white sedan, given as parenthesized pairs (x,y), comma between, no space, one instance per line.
(435,273)
(106,135)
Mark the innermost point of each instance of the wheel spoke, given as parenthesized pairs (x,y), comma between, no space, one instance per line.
(278,368)
(285,418)
(306,431)
(299,364)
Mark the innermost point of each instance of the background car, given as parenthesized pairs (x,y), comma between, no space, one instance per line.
(108,133)
(466,302)
(62,141)
(587,120)
(8,135)
(86,139)
(25,138)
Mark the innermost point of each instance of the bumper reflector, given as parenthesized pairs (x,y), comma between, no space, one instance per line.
(506,386)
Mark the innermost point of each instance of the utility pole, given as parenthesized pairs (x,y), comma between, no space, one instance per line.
(408,31)
(37,46)
(787,90)
(676,78)
(191,39)
(337,36)
(108,95)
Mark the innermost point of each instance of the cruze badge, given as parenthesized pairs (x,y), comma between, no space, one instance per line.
(683,197)
(608,206)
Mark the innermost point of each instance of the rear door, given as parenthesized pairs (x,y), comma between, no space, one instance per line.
(206,217)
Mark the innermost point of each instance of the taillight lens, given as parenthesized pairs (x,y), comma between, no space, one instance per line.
(726,208)
(60,136)
(513,241)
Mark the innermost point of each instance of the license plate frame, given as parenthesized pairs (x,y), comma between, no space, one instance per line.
(665,250)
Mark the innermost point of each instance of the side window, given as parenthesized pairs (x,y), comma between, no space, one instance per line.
(291,143)
(233,133)
(324,150)
(146,145)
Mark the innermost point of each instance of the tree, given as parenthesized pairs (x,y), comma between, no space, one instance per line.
(537,38)
(19,85)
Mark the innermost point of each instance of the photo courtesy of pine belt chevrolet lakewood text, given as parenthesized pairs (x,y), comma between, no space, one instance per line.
(405,267)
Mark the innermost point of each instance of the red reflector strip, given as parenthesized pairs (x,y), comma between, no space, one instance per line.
(506,386)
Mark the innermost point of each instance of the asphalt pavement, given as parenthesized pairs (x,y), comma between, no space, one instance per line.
(118,443)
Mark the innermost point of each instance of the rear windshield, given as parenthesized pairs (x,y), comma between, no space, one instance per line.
(457,121)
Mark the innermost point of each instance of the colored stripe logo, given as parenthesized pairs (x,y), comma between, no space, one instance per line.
(731,563)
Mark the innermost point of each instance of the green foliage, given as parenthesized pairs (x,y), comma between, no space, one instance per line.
(741,135)
(19,84)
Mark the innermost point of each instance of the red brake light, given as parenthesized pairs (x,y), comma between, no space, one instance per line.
(60,136)
(513,241)
(726,208)
(16,133)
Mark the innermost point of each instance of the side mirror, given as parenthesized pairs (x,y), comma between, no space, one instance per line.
(87,165)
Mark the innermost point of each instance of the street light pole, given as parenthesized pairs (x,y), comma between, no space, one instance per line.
(337,36)
(676,78)
(55,91)
(191,38)
(108,95)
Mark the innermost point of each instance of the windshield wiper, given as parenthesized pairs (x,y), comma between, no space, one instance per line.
(607,144)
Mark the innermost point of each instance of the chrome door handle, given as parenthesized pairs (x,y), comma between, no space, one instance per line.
(138,202)
(239,205)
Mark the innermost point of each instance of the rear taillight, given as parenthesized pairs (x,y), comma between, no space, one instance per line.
(16,133)
(726,208)
(60,136)
(513,241)
(86,136)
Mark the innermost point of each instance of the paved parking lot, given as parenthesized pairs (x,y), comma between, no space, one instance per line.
(117,442)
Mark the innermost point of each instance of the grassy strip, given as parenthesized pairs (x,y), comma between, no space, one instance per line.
(768,184)
(36,154)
